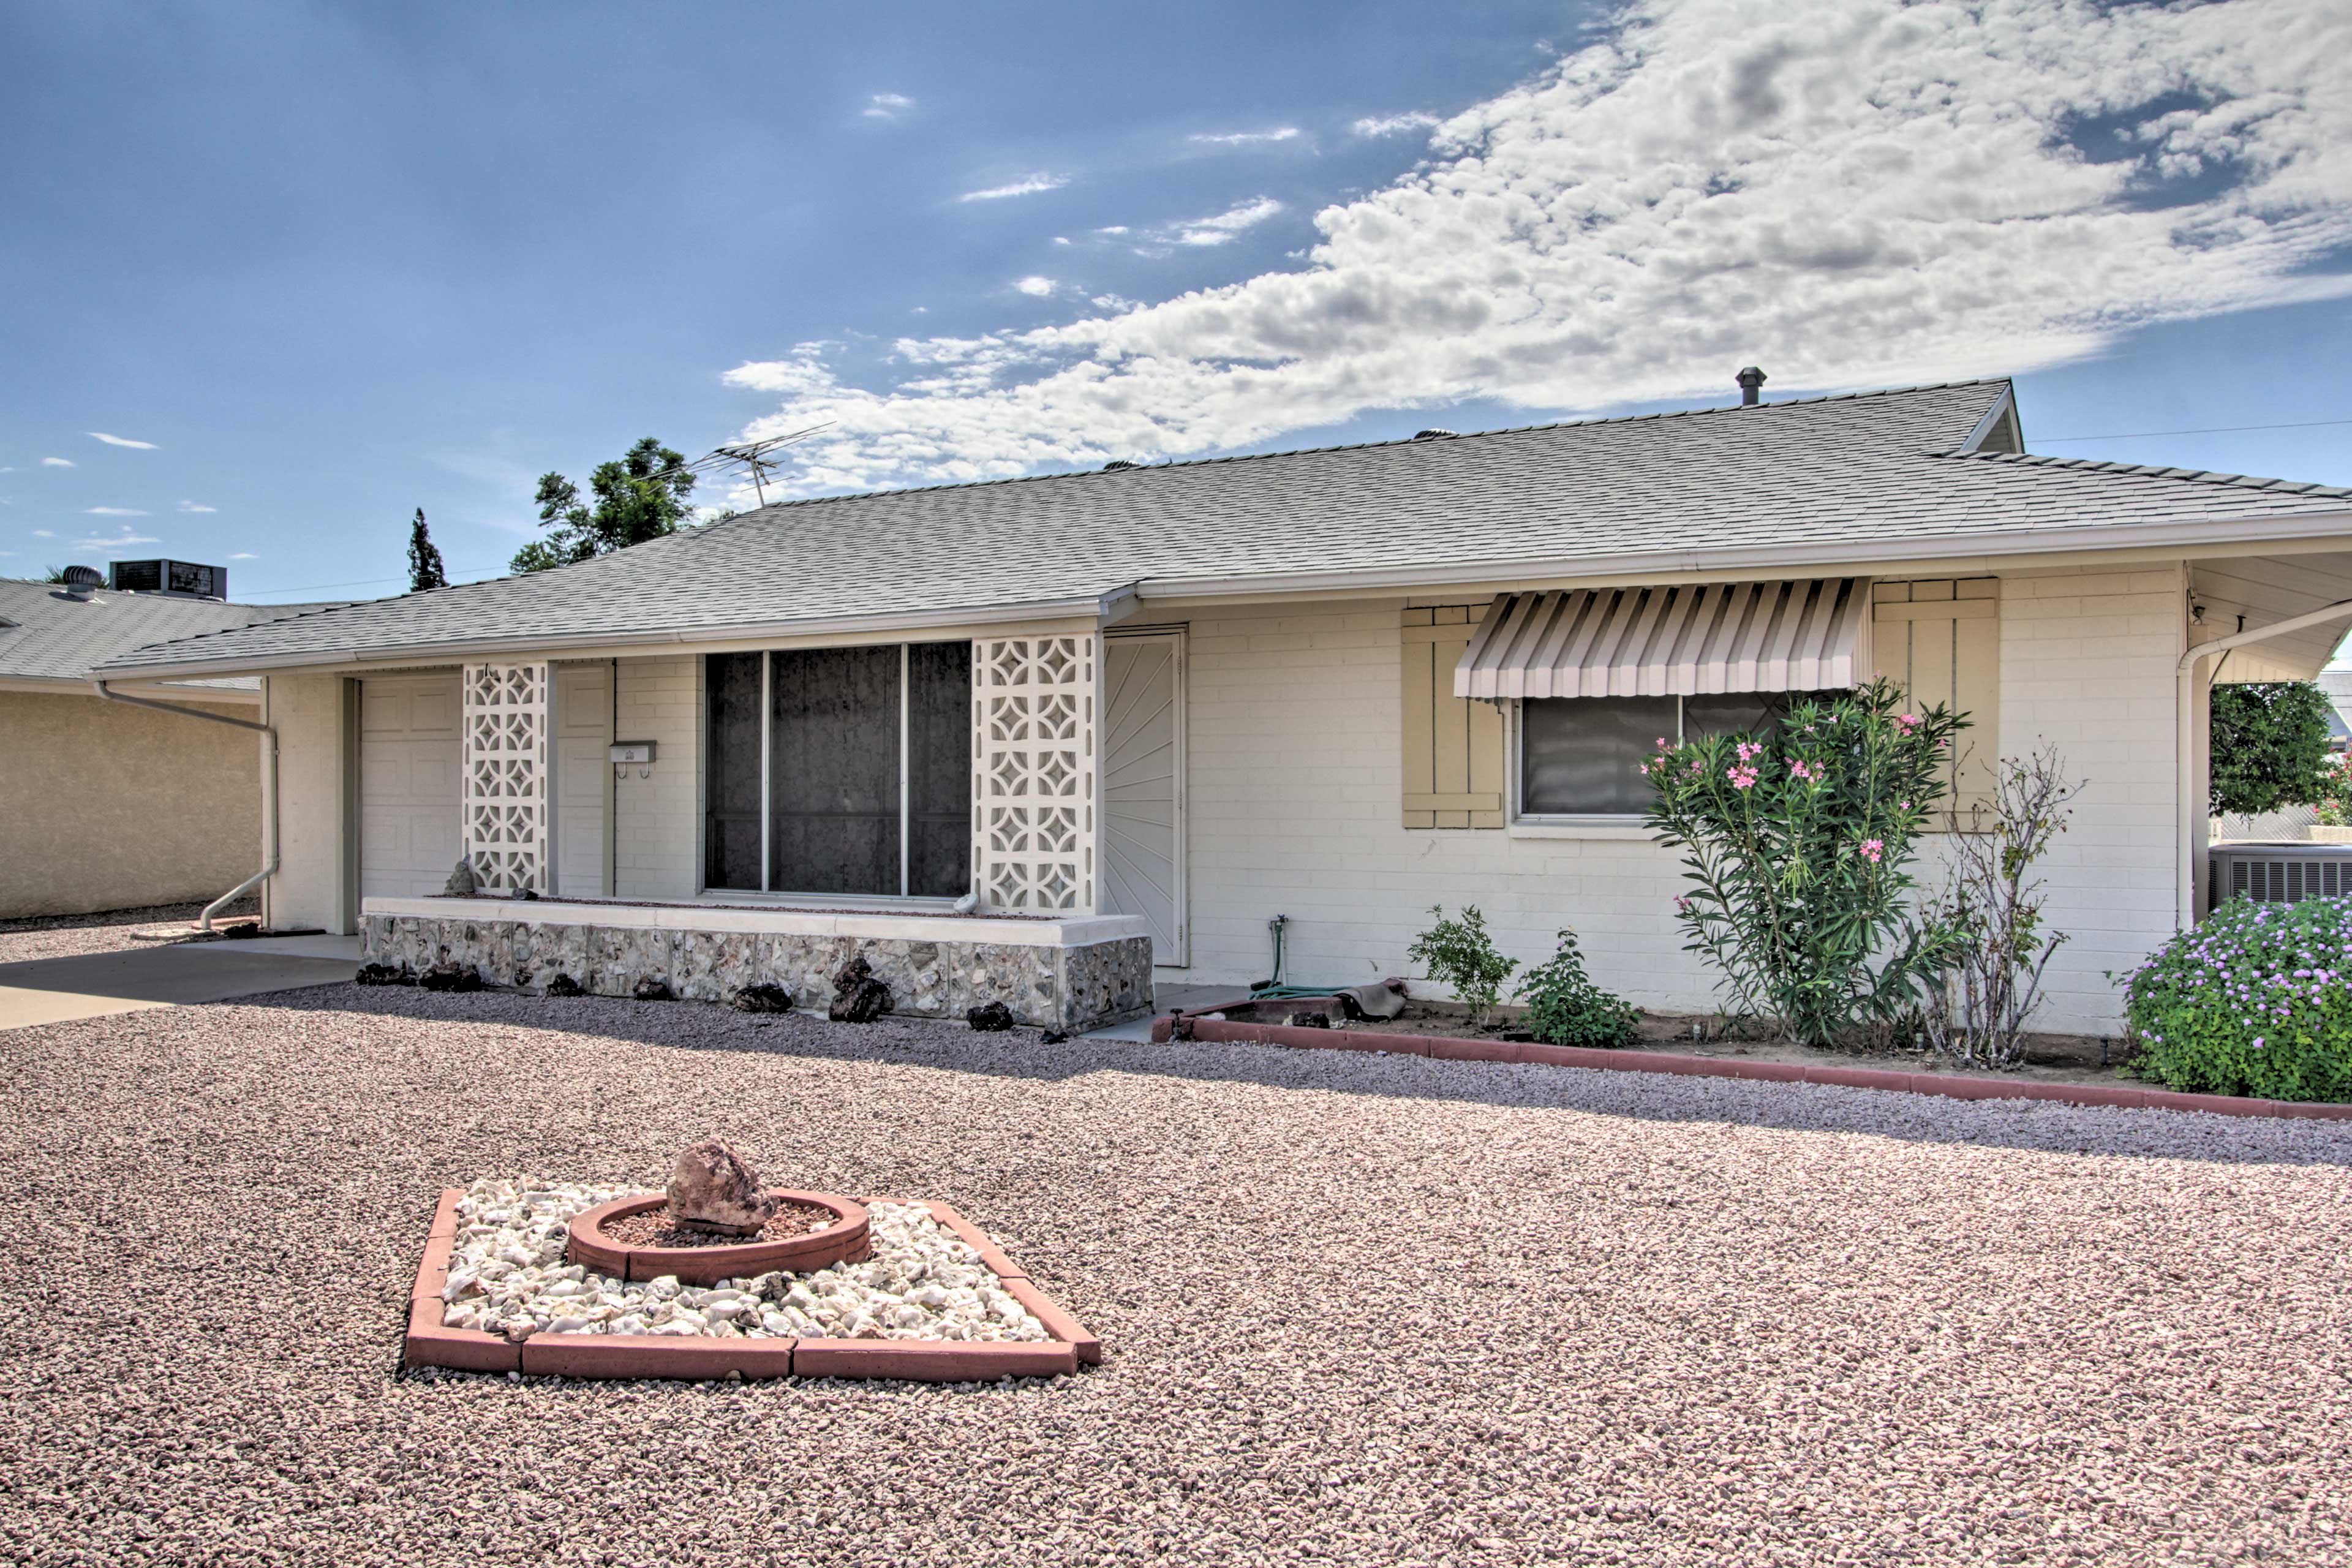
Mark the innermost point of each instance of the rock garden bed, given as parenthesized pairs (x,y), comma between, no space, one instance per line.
(926,1296)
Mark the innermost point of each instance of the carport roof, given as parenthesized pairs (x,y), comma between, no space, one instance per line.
(1793,485)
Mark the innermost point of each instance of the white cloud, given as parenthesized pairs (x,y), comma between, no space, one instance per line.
(887,106)
(1222,227)
(1034,286)
(43,533)
(1028,187)
(1847,193)
(1246,138)
(122,540)
(1058,240)
(1112,228)
(192,506)
(122,441)
(112,512)
(57,462)
(244,555)
(1393,124)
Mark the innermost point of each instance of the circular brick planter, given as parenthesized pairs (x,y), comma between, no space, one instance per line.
(591,1248)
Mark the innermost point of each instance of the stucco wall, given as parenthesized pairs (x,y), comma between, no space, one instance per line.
(657,821)
(105,807)
(317,863)
(1294,776)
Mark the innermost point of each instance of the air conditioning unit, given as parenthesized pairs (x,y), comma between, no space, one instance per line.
(2280,873)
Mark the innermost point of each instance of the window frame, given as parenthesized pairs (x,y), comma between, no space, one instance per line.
(1521,823)
(903,898)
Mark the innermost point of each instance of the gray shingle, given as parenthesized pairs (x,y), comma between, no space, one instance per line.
(45,635)
(1857,470)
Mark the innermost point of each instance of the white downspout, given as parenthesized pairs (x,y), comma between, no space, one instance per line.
(268,792)
(2186,687)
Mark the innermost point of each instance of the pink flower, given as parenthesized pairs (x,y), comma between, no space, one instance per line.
(1872,849)
(1742,778)
(1805,771)
(1909,722)
(1662,742)
(1748,749)
(1902,805)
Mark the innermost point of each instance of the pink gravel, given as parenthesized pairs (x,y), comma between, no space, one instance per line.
(118,931)
(1356,1309)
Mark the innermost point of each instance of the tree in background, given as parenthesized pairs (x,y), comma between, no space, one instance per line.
(2270,745)
(642,496)
(424,570)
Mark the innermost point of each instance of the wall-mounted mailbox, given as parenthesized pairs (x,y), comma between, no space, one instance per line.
(627,754)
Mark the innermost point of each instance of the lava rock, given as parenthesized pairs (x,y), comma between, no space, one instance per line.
(1053,1037)
(451,977)
(462,882)
(763,997)
(858,996)
(650,989)
(1310,1020)
(989,1018)
(564,986)
(385,974)
(712,1187)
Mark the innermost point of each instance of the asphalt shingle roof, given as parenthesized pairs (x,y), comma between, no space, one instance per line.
(46,635)
(1856,470)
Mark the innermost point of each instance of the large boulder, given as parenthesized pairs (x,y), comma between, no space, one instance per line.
(712,1187)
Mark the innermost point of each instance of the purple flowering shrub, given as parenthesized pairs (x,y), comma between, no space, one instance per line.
(2257,1000)
(1799,842)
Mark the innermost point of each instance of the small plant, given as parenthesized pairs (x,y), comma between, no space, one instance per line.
(1976,1013)
(2335,793)
(2254,1001)
(1799,843)
(1566,1009)
(1459,955)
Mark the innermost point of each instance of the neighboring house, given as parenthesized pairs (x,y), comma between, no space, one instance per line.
(1340,686)
(110,805)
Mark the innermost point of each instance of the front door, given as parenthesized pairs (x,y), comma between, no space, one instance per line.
(409,827)
(1143,788)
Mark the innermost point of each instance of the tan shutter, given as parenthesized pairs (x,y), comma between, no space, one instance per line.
(1940,641)
(1452,746)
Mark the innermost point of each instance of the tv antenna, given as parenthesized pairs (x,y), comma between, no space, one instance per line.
(751,457)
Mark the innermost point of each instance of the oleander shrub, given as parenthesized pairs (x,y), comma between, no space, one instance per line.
(2257,1000)
(1566,1009)
(1798,842)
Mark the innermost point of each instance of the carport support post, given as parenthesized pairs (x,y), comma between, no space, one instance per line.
(2190,686)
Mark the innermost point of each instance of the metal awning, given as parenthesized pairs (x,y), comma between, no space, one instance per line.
(1801,635)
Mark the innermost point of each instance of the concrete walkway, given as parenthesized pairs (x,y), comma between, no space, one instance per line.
(92,985)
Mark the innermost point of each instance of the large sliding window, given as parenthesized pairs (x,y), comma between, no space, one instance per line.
(852,772)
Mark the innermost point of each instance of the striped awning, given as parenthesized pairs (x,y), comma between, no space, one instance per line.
(1801,635)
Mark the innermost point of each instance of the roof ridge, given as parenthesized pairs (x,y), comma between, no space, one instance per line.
(2152,470)
(1662,413)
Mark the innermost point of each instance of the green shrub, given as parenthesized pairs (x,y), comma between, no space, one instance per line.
(1459,955)
(2257,1000)
(1565,1008)
(1799,843)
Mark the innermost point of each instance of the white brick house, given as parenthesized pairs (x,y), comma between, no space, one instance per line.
(1184,699)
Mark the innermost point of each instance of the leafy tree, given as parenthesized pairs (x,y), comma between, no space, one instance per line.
(2270,745)
(638,497)
(424,570)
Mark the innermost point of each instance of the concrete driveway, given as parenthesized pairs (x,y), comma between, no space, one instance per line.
(91,985)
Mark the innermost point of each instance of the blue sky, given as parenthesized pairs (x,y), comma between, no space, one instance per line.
(329,266)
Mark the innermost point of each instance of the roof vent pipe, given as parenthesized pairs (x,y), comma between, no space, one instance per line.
(1752,387)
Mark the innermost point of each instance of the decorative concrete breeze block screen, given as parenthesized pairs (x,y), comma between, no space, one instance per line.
(1032,775)
(505,724)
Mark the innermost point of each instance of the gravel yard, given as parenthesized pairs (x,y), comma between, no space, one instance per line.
(1355,1307)
(69,936)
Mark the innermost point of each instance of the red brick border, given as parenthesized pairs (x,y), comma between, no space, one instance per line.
(701,1356)
(1951,1086)
(591,1247)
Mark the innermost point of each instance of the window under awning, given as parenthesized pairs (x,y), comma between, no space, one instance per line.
(1805,635)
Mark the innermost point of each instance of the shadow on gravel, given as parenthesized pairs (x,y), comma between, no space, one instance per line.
(1022,1054)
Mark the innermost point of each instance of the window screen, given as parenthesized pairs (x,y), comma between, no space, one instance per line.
(1582,756)
(833,791)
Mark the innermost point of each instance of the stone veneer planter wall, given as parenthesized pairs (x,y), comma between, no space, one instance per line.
(1075,974)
